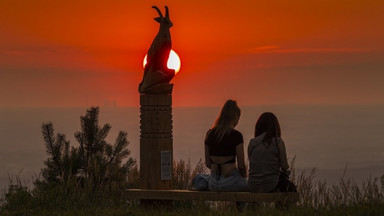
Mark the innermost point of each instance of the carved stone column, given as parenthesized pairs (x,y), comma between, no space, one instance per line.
(156,141)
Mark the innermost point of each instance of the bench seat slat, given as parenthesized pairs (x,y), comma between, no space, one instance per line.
(208,195)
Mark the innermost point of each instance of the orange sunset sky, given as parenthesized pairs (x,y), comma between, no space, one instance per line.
(83,53)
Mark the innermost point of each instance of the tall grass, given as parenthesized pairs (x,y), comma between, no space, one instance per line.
(182,173)
(318,194)
(314,194)
(316,197)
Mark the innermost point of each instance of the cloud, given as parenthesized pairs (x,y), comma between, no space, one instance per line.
(278,49)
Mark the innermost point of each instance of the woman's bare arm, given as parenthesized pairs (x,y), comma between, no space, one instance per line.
(208,162)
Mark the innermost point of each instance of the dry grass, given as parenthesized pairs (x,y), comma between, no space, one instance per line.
(316,197)
(314,193)
(318,194)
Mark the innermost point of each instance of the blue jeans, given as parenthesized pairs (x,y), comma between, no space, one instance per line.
(235,182)
(200,182)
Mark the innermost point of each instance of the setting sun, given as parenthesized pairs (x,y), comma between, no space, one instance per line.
(173,61)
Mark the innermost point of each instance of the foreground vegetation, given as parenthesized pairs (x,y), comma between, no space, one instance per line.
(316,198)
(88,179)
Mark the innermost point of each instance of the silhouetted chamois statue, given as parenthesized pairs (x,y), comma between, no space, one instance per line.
(156,73)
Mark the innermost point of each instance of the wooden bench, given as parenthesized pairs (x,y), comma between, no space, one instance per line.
(290,197)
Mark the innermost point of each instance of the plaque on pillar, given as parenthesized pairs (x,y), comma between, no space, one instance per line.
(166,165)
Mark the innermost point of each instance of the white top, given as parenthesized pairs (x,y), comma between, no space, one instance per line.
(266,159)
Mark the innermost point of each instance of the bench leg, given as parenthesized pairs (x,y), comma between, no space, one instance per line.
(241,206)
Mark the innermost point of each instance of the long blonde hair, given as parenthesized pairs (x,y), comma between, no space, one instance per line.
(227,119)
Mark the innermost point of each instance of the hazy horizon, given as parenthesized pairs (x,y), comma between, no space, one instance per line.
(329,137)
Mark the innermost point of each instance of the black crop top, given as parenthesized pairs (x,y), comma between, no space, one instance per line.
(227,145)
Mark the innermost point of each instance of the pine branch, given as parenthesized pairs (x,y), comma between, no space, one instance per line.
(49,137)
(119,148)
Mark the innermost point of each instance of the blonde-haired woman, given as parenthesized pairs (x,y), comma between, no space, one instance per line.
(223,146)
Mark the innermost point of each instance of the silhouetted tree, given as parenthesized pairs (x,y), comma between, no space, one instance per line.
(95,167)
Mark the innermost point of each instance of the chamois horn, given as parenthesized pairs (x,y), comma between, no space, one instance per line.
(158,10)
(166,11)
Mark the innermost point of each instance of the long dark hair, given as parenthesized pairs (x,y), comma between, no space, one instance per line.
(227,119)
(268,122)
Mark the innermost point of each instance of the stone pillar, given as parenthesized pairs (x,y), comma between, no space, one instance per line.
(156,141)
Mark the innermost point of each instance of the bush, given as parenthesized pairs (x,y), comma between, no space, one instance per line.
(94,173)
(18,197)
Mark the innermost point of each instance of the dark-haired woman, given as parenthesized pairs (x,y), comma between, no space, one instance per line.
(267,157)
(223,146)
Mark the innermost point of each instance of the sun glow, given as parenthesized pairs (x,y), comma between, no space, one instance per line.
(172,63)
